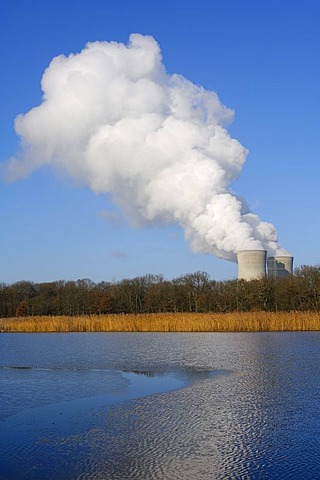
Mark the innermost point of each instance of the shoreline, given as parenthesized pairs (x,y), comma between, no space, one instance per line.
(166,322)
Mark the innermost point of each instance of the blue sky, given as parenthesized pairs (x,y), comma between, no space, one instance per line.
(262,59)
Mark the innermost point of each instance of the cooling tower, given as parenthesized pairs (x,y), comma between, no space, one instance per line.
(251,264)
(280,266)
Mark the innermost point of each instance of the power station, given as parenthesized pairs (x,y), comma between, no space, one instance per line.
(253,264)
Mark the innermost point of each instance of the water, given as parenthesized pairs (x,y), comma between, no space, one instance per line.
(160,406)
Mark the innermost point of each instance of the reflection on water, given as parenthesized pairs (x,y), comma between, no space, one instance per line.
(162,406)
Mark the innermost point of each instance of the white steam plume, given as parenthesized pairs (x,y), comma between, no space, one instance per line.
(112,118)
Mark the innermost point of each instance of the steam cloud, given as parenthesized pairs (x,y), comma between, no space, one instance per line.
(113,119)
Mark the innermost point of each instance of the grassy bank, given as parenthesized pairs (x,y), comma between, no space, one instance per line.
(168,322)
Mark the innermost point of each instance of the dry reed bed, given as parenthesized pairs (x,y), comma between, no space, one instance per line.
(167,322)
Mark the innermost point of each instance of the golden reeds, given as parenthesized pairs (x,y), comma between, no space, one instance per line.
(167,322)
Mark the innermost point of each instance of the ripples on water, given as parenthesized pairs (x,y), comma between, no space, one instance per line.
(160,406)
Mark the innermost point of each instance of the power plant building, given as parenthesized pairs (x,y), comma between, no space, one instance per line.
(253,264)
(280,266)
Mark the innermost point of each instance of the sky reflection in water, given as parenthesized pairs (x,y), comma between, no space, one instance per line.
(174,406)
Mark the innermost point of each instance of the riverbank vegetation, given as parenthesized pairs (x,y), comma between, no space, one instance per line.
(167,322)
(193,293)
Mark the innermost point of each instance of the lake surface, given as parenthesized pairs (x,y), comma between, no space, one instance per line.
(160,406)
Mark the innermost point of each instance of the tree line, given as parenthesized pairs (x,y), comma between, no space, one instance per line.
(194,292)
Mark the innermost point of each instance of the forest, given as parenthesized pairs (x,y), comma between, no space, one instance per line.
(194,292)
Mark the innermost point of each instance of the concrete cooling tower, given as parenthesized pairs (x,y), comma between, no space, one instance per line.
(251,264)
(280,266)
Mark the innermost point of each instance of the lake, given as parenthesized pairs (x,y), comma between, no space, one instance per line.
(160,406)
